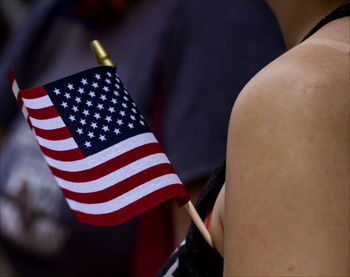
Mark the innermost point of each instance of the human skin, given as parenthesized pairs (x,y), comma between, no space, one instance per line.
(284,210)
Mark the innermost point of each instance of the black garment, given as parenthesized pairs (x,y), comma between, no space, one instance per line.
(194,257)
(340,12)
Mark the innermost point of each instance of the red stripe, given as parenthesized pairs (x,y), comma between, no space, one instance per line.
(32,93)
(55,134)
(108,166)
(66,156)
(44,113)
(135,208)
(11,77)
(121,187)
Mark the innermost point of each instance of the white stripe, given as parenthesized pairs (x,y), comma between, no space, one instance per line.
(38,103)
(104,155)
(58,145)
(126,198)
(114,177)
(172,269)
(48,124)
(175,265)
(25,112)
(15,88)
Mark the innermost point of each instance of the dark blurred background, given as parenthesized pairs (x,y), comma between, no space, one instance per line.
(184,63)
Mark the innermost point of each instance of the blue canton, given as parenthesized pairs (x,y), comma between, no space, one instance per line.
(96,108)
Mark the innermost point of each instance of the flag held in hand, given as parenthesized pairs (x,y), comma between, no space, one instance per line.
(97,145)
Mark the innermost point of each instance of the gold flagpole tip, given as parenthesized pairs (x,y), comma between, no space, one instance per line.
(101,55)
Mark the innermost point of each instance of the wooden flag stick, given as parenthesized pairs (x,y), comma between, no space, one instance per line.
(103,58)
(198,222)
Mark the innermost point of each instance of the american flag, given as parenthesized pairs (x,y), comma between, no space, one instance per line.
(97,145)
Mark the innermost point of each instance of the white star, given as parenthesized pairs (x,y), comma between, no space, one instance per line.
(102,138)
(116,131)
(133,104)
(81,90)
(132,117)
(108,81)
(117,86)
(117,79)
(92,94)
(64,104)
(82,121)
(67,95)
(105,128)
(122,113)
(124,105)
(95,85)
(80,131)
(83,81)
(103,97)
(120,122)
(105,88)
(86,112)
(142,123)
(126,92)
(109,74)
(108,118)
(100,106)
(97,76)
(133,110)
(116,93)
(91,134)
(130,125)
(114,101)
(87,143)
(72,118)
(70,86)
(97,116)
(77,99)
(89,103)
(125,98)
(93,125)
(57,91)
(75,108)
(111,110)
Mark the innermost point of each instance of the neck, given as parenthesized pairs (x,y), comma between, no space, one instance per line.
(297,17)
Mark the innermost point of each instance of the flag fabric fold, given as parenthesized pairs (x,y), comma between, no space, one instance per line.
(107,162)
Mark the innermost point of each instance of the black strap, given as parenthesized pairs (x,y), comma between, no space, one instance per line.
(340,12)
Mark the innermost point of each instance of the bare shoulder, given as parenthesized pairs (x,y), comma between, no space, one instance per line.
(311,81)
(287,183)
